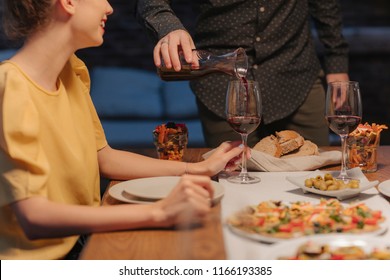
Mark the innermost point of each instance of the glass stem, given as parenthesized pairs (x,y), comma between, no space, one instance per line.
(343,172)
(244,172)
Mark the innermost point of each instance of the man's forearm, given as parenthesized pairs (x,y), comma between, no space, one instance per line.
(157,17)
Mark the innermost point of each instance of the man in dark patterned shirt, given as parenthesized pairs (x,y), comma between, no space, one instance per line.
(277,37)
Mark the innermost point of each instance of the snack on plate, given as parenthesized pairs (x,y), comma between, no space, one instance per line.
(329,183)
(278,220)
(170,140)
(286,143)
(316,251)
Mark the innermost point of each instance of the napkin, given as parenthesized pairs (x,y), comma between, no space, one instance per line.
(264,162)
(260,161)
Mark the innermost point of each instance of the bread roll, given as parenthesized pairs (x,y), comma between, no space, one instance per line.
(286,143)
(269,145)
(307,149)
(289,140)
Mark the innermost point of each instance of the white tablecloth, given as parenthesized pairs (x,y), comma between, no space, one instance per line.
(274,186)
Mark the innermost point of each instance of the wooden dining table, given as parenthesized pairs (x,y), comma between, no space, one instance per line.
(201,242)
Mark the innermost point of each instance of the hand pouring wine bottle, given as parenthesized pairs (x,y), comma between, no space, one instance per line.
(234,64)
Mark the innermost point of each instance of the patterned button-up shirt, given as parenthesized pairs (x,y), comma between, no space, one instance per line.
(277,36)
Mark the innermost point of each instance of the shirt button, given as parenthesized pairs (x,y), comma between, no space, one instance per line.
(258,39)
(255,66)
(262,9)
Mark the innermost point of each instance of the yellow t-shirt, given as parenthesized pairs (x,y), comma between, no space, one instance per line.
(48,148)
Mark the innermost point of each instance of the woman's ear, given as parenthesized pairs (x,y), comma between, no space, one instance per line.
(68,5)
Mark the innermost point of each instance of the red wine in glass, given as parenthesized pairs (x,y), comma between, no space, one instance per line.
(244,124)
(341,124)
(343,112)
(244,82)
(243,113)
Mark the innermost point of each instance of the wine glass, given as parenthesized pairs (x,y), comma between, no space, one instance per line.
(343,112)
(243,113)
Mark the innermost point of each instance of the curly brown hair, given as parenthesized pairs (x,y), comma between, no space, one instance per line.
(22,17)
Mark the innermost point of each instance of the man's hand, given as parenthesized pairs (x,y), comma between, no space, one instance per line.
(169,46)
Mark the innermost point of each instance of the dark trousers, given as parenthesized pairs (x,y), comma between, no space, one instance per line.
(74,254)
(308,120)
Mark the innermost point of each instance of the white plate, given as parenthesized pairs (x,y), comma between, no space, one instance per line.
(118,193)
(148,190)
(289,248)
(384,188)
(340,194)
(153,188)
